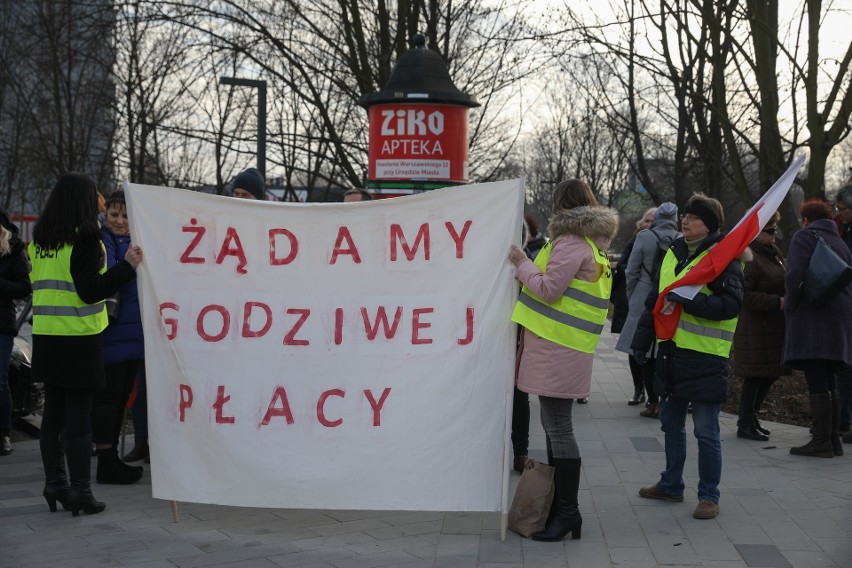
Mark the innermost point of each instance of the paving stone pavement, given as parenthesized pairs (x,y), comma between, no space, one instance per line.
(777,511)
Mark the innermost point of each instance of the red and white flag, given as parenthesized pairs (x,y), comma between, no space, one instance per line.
(726,250)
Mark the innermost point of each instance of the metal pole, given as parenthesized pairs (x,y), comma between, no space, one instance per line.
(261,114)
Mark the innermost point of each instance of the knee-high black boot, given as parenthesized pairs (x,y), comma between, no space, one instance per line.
(55,479)
(836,442)
(762,390)
(820,444)
(745,424)
(79,453)
(567,517)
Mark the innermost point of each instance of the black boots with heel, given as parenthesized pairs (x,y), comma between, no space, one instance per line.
(55,479)
(566,513)
(79,451)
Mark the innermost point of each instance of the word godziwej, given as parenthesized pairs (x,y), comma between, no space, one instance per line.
(213,323)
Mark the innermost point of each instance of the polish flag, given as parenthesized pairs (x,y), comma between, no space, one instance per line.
(666,315)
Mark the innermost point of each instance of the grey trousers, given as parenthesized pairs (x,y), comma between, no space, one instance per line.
(559,427)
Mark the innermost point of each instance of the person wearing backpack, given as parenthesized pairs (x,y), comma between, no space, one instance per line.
(644,262)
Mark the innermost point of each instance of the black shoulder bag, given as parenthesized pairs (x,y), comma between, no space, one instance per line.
(827,273)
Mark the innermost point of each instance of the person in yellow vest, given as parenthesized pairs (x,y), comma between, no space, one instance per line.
(70,281)
(692,367)
(562,308)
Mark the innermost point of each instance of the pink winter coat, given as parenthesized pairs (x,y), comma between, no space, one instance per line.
(547,368)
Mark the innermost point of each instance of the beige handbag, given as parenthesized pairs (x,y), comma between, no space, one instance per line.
(533,497)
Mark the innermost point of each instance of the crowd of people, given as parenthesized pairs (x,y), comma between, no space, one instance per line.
(91,357)
(754,305)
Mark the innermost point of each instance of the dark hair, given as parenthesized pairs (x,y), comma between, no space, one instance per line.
(71,212)
(814,210)
(532,224)
(573,193)
(365,195)
(116,197)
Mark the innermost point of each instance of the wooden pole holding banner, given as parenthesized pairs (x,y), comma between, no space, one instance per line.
(174,511)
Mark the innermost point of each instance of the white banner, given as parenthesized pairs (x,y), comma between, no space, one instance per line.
(329,356)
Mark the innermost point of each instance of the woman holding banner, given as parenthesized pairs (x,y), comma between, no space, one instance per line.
(563,307)
(124,360)
(692,366)
(70,282)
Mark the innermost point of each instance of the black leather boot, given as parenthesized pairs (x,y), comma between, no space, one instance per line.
(759,427)
(567,514)
(79,455)
(836,441)
(138,453)
(55,479)
(113,471)
(820,445)
(638,397)
(745,424)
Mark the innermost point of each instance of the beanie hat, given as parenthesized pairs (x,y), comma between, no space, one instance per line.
(252,181)
(699,209)
(667,210)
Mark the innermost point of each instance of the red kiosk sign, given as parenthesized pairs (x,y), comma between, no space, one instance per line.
(418,142)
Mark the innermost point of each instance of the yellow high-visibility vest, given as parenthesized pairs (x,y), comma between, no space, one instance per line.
(577,318)
(713,337)
(57,309)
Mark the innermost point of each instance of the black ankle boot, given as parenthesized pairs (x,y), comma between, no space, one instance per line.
(749,432)
(759,427)
(638,397)
(138,453)
(566,517)
(113,471)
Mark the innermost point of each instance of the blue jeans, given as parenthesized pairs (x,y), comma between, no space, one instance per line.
(6,341)
(705,418)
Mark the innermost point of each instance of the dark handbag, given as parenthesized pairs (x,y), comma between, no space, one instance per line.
(827,274)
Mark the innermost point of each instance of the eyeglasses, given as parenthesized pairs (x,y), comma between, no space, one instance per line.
(770,230)
(690,217)
(840,208)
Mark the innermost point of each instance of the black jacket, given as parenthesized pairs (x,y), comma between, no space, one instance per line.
(14,283)
(684,373)
(618,296)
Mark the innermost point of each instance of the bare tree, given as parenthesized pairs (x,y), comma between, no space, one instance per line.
(321,56)
(702,78)
(59,74)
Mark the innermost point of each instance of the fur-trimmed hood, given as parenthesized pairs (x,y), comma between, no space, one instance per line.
(586,221)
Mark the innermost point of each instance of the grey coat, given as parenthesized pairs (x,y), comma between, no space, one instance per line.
(640,274)
(816,333)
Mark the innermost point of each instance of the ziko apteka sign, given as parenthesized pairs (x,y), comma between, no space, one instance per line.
(418,142)
(346,356)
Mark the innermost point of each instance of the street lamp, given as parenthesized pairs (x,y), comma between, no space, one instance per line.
(261,115)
